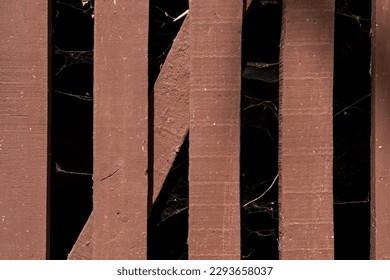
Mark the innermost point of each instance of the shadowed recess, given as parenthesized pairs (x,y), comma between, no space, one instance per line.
(351,111)
(71,123)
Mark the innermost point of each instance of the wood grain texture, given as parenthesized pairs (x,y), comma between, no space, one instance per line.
(305,130)
(120,129)
(23,128)
(380,134)
(215,85)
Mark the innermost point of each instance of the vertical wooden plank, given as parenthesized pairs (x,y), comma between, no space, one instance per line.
(306,143)
(380,151)
(215,85)
(23,128)
(120,129)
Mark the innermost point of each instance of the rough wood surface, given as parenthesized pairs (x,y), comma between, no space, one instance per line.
(120,129)
(380,145)
(214,161)
(171,108)
(306,143)
(23,128)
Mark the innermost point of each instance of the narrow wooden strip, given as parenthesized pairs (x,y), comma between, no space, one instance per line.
(380,149)
(215,81)
(120,129)
(23,128)
(306,143)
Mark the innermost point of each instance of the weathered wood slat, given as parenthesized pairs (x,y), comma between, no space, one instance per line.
(380,149)
(23,129)
(215,85)
(120,129)
(306,143)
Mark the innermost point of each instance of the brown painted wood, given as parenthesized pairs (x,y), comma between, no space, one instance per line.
(83,248)
(120,129)
(171,108)
(23,128)
(215,85)
(380,149)
(171,117)
(306,143)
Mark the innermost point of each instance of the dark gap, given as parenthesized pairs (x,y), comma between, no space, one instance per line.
(71,121)
(168,223)
(259,131)
(352,88)
(168,219)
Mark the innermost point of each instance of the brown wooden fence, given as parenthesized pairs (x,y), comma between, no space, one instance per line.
(198,91)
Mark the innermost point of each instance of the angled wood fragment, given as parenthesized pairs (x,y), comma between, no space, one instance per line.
(171,108)
(83,248)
